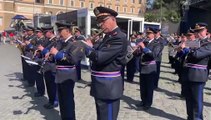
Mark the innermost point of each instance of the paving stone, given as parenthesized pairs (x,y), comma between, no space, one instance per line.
(17,101)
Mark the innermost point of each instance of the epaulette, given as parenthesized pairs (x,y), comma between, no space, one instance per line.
(114,34)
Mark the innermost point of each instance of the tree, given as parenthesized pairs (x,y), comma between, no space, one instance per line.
(164,10)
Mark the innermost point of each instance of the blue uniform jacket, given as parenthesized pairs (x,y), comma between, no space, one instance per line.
(149,55)
(107,60)
(197,61)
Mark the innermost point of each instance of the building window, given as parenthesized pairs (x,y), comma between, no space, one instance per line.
(49,1)
(117,8)
(62,2)
(39,1)
(1,21)
(82,4)
(125,9)
(109,6)
(132,1)
(72,3)
(132,10)
(140,1)
(91,5)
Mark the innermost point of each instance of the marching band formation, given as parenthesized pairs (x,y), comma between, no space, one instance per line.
(52,62)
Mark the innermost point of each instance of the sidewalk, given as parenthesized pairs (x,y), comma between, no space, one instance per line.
(17,101)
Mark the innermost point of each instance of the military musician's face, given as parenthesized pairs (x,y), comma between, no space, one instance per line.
(77,33)
(202,33)
(64,33)
(191,37)
(39,34)
(183,38)
(107,24)
(150,36)
(30,32)
(48,34)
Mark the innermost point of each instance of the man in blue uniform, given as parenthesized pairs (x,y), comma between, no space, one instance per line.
(150,50)
(37,57)
(48,64)
(67,55)
(106,62)
(131,65)
(29,43)
(78,36)
(197,73)
(163,42)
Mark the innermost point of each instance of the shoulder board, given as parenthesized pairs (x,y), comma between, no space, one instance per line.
(114,34)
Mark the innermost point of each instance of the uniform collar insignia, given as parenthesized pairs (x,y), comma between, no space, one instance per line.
(115,33)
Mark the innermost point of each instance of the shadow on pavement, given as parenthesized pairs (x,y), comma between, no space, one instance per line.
(85,83)
(132,82)
(168,79)
(36,102)
(17,76)
(163,62)
(165,66)
(162,71)
(207,88)
(130,101)
(172,95)
(207,104)
(153,111)
(161,113)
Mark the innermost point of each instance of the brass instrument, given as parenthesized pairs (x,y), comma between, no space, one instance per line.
(192,44)
(93,38)
(131,50)
(19,45)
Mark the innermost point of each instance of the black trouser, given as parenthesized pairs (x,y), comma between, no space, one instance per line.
(107,109)
(194,100)
(78,69)
(123,75)
(30,73)
(38,76)
(171,61)
(131,69)
(51,86)
(66,99)
(24,65)
(147,82)
(158,74)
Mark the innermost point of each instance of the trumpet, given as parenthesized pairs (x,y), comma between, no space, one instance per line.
(93,38)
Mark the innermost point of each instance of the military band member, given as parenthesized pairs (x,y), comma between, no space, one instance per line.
(197,73)
(21,46)
(139,38)
(78,36)
(150,50)
(131,65)
(49,68)
(37,57)
(163,42)
(179,64)
(29,52)
(66,74)
(106,62)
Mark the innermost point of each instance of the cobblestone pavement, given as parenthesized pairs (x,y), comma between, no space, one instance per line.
(17,101)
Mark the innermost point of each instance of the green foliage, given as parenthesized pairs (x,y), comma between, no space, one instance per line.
(165,10)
